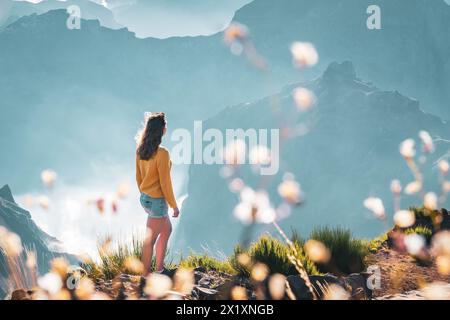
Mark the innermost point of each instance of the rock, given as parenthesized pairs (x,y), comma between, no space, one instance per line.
(21,294)
(356,285)
(200,269)
(297,286)
(204,282)
(198,275)
(201,293)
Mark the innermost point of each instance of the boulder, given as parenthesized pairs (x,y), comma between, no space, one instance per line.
(297,287)
(356,285)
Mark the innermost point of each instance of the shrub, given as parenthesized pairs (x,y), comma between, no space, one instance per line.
(347,253)
(420,230)
(376,244)
(434,220)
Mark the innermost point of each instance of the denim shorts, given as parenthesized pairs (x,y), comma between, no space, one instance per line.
(155,207)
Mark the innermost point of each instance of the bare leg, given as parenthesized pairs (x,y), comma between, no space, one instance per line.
(153,230)
(161,243)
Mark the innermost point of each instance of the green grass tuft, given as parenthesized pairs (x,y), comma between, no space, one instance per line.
(347,253)
(209,263)
(112,262)
(377,243)
(275,255)
(420,230)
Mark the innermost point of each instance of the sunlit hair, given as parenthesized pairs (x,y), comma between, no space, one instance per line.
(149,138)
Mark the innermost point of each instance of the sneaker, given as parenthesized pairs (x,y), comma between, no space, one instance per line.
(165,272)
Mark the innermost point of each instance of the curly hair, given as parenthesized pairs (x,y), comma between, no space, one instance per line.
(149,138)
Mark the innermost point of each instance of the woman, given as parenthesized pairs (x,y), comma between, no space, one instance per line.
(154,182)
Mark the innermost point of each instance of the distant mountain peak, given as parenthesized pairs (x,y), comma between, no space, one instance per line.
(5,193)
(89,9)
(339,72)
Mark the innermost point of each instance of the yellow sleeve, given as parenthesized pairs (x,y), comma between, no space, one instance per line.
(138,173)
(164,165)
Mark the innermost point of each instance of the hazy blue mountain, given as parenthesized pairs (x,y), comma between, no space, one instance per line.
(89,10)
(351,152)
(411,53)
(84,90)
(19,221)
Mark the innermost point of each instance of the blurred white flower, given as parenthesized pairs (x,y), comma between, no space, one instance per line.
(235,32)
(28,201)
(444,167)
(244,259)
(284,210)
(440,244)
(304,54)
(236,185)
(226,172)
(31,260)
(376,206)
(123,190)
(304,99)
(437,291)
(184,281)
(236,48)
(414,243)
(134,265)
(51,282)
(277,286)
(413,187)
(443,264)
(48,178)
(396,187)
(254,207)
(234,152)
(336,292)
(404,218)
(157,285)
(430,201)
(407,149)
(259,272)
(260,155)
(99,296)
(290,191)
(317,251)
(43,202)
(10,243)
(446,186)
(427,141)
(59,266)
(238,293)
(85,289)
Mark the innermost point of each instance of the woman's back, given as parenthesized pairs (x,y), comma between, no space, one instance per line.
(153,176)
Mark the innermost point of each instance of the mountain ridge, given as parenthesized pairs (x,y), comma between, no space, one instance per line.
(17,220)
(350,153)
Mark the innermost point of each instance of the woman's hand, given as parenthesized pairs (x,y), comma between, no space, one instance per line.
(176,212)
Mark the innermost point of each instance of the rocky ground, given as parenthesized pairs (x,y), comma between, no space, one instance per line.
(402,278)
(402,275)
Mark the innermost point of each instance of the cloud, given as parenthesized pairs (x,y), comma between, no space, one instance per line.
(162,19)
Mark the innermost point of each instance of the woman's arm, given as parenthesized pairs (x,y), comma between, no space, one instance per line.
(164,165)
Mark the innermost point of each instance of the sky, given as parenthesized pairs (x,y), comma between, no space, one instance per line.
(169,18)
(172,18)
